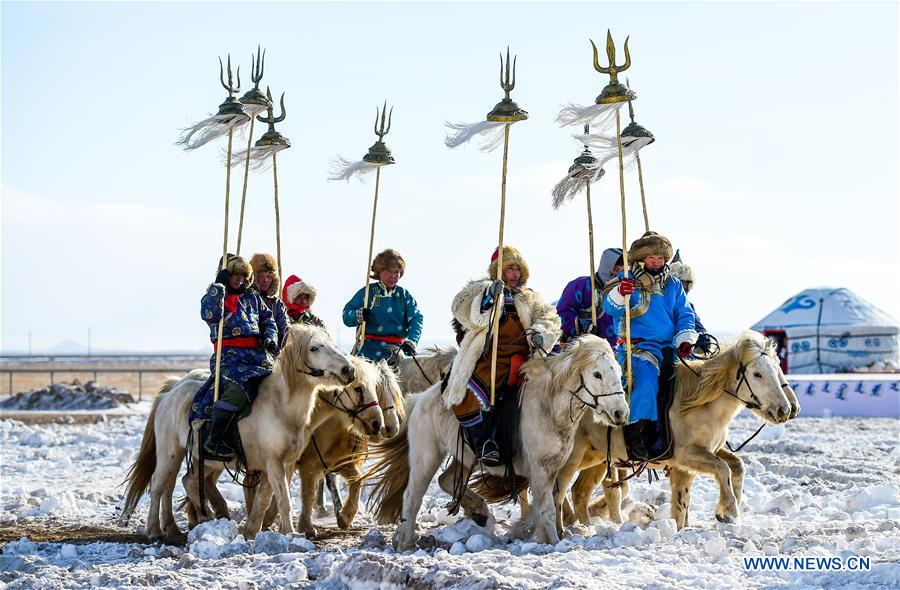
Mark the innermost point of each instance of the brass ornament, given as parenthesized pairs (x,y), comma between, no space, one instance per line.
(507,111)
(257,68)
(231,106)
(633,129)
(272,137)
(379,153)
(614,91)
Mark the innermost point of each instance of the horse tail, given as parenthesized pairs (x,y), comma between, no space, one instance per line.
(497,488)
(391,475)
(141,471)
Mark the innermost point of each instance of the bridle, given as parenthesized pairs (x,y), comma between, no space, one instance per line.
(595,397)
(353,412)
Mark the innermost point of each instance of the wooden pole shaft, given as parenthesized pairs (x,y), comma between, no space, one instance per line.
(361,332)
(628,371)
(498,303)
(244,191)
(277,219)
(591,252)
(637,156)
(224,264)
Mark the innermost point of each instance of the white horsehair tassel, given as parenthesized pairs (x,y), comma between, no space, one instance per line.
(491,132)
(344,169)
(601,117)
(260,157)
(207,130)
(574,182)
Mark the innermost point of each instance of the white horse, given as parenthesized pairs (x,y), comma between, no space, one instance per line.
(557,391)
(272,434)
(708,395)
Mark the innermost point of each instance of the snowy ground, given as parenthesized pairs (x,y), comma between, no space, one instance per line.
(814,488)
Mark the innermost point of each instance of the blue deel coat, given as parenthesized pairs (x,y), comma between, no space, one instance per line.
(251,318)
(394,313)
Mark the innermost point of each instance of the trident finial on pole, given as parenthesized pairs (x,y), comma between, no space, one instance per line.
(613,92)
(384,130)
(507,82)
(232,90)
(270,117)
(257,69)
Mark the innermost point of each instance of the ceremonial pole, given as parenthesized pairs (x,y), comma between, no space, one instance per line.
(643,138)
(232,107)
(378,155)
(616,93)
(506,112)
(254,101)
(273,142)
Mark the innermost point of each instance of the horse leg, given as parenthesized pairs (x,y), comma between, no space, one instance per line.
(563,479)
(216,500)
(309,481)
(473,505)
(737,472)
(162,484)
(191,483)
(321,511)
(424,460)
(524,505)
(276,473)
(262,497)
(544,512)
(583,489)
(680,482)
(351,503)
(699,459)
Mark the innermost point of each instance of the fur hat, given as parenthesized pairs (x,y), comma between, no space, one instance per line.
(238,265)
(650,244)
(294,286)
(387,259)
(511,256)
(266,263)
(682,272)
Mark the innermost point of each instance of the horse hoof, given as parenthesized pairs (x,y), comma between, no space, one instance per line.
(725,518)
(177,539)
(343,523)
(309,532)
(480,519)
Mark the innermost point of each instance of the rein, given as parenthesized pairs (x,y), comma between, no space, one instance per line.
(312,372)
(353,412)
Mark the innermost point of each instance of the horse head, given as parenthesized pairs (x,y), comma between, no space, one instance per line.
(390,398)
(749,372)
(310,351)
(590,373)
(359,400)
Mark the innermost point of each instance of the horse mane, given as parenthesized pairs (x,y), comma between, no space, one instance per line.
(293,353)
(390,385)
(439,359)
(580,354)
(717,373)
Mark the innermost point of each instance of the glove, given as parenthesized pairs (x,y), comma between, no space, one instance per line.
(537,341)
(595,330)
(223,276)
(272,348)
(684,349)
(626,287)
(496,289)
(363,314)
(408,347)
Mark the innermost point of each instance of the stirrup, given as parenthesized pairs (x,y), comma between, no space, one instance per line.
(490,454)
(216,454)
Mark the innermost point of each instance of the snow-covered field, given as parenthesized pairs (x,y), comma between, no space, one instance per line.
(814,488)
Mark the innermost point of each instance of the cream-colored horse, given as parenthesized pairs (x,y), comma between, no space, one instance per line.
(336,440)
(424,370)
(272,434)
(557,391)
(745,373)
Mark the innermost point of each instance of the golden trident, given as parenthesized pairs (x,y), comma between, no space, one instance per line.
(258,101)
(380,155)
(230,106)
(614,93)
(508,112)
(273,138)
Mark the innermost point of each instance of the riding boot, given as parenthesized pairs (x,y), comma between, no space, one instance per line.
(220,423)
(638,440)
(479,437)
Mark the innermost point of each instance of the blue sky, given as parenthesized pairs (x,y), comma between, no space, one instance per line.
(774,170)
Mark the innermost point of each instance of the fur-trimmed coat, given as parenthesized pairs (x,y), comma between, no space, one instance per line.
(466,308)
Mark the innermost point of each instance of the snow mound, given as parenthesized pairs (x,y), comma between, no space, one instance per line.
(68,396)
(872,497)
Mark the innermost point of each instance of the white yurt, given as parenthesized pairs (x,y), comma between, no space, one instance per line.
(828,330)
